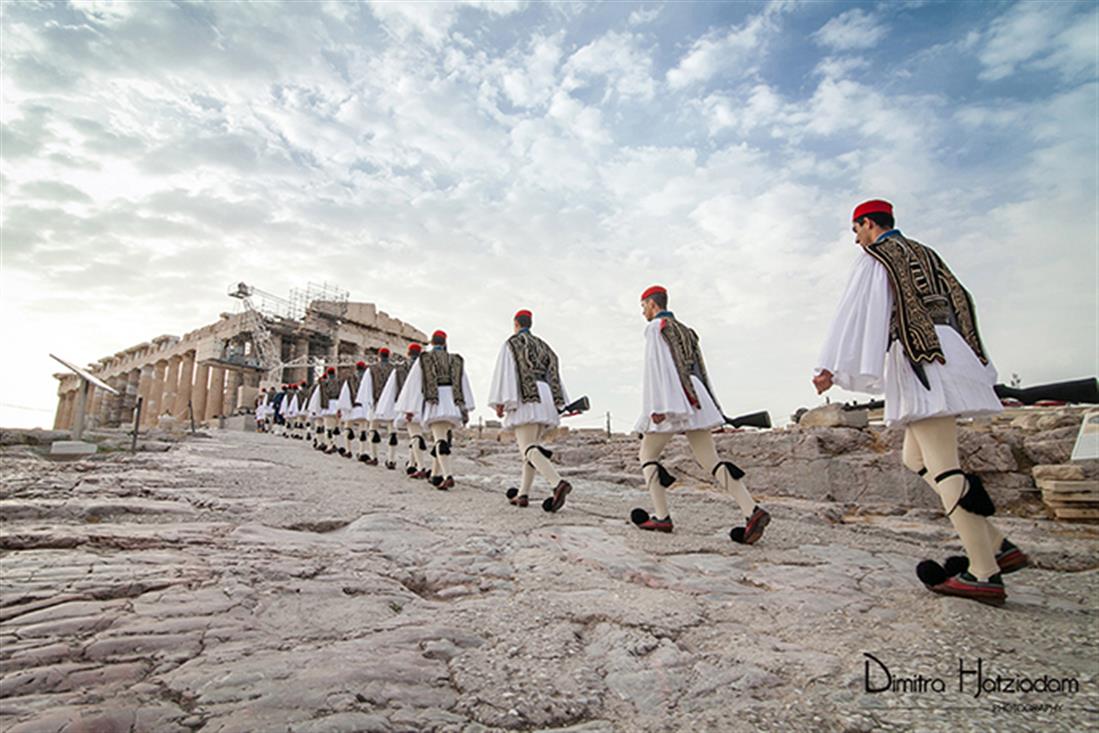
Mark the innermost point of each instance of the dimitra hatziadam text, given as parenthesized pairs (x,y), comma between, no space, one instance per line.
(973,678)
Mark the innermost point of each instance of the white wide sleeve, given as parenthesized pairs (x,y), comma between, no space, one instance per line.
(365,395)
(505,382)
(411,398)
(854,350)
(388,397)
(467,392)
(661,391)
(344,400)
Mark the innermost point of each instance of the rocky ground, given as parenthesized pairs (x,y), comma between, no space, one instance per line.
(243,582)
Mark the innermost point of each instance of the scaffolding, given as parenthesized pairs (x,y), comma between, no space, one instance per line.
(262,309)
(321,298)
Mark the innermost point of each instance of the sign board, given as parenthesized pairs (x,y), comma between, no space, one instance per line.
(83,374)
(1087,440)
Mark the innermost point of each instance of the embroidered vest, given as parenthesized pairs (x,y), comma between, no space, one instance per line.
(686,354)
(402,374)
(925,294)
(331,391)
(353,383)
(379,373)
(441,368)
(535,362)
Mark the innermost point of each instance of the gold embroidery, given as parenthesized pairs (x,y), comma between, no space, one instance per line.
(379,372)
(687,356)
(442,368)
(925,294)
(535,362)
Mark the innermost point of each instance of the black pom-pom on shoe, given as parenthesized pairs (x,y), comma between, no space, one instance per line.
(931,573)
(639,516)
(512,492)
(956,565)
(548,504)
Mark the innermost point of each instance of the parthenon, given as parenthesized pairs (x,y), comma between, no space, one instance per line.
(215,370)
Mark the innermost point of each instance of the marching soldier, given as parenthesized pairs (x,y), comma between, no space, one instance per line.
(677,398)
(352,413)
(906,327)
(527,392)
(369,395)
(437,389)
(387,407)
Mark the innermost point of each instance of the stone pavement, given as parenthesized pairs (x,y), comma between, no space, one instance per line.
(245,582)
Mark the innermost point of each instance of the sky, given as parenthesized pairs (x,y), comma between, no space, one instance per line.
(454,162)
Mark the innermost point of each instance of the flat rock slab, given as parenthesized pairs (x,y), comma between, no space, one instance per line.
(244,582)
(71,449)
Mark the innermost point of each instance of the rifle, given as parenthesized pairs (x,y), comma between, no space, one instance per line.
(1079,391)
(872,405)
(751,420)
(575,407)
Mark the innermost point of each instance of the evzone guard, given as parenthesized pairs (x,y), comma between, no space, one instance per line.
(319,411)
(352,412)
(261,410)
(369,395)
(437,390)
(314,425)
(677,399)
(907,328)
(528,394)
(288,412)
(387,406)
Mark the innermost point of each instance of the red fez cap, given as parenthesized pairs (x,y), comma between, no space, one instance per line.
(284,386)
(383,351)
(361,364)
(653,291)
(876,206)
(524,312)
(414,347)
(439,334)
(330,370)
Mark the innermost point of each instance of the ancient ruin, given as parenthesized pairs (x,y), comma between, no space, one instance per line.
(216,370)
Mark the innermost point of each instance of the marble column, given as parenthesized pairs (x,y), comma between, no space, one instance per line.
(60,412)
(129,399)
(171,383)
(70,408)
(184,389)
(114,417)
(232,391)
(198,395)
(216,393)
(64,407)
(301,348)
(93,402)
(145,387)
(156,394)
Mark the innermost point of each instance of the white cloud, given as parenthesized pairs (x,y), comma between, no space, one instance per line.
(516,159)
(734,53)
(644,16)
(432,20)
(1047,36)
(852,30)
(618,58)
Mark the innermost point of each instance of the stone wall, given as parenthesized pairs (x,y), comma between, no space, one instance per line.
(846,465)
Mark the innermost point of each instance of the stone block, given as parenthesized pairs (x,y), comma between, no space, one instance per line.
(71,449)
(834,416)
(1059,472)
